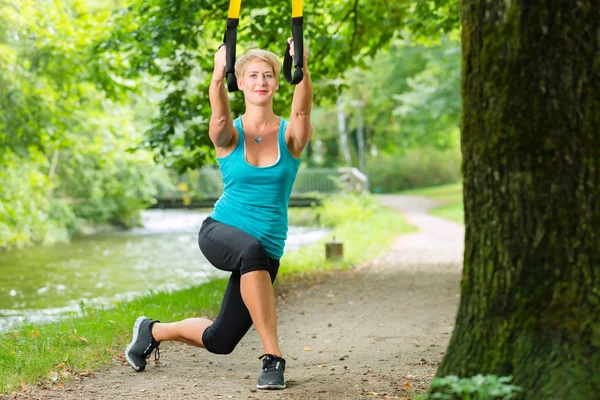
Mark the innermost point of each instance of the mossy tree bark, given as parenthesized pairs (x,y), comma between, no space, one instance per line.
(530,292)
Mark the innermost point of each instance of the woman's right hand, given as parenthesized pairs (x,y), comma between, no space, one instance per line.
(220,63)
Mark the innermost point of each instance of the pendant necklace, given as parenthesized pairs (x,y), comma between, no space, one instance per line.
(257,139)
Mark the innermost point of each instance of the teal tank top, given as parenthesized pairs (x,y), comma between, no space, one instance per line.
(255,199)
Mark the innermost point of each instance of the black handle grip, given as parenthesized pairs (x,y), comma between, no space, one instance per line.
(298,60)
(230,40)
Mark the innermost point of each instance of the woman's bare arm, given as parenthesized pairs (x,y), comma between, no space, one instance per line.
(221,123)
(300,126)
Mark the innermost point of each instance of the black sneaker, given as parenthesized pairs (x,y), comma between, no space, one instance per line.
(142,344)
(271,376)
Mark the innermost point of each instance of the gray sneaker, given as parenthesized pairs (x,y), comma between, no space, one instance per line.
(271,376)
(142,344)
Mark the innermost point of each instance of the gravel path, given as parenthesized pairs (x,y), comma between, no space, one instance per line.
(377,331)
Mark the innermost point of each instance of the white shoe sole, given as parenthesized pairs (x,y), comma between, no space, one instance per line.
(270,387)
(136,331)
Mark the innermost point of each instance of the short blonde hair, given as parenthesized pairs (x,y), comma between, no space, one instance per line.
(257,55)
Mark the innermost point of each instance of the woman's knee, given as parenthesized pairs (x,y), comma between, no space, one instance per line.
(222,348)
(219,344)
(253,257)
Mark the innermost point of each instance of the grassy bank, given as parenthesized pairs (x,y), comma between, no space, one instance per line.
(451,198)
(75,346)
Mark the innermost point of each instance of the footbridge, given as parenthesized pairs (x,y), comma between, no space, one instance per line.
(201,188)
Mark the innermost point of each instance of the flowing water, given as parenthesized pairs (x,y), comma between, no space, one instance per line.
(42,283)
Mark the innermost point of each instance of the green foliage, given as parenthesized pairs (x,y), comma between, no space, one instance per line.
(411,99)
(26,216)
(429,110)
(433,18)
(64,156)
(479,387)
(103,181)
(420,167)
(347,207)
(44,69)
(175,41)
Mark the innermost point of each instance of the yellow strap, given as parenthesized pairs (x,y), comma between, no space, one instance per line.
(296,8)
(234,9)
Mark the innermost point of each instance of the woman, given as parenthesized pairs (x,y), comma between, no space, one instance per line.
(258,154)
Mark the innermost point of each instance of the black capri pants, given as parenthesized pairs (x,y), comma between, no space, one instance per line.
(233,250)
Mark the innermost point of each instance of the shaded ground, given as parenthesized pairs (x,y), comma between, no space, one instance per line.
(377,331)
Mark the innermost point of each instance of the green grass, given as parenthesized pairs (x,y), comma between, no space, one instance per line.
(79,345)
(451,198)
(365,229)
(57,351)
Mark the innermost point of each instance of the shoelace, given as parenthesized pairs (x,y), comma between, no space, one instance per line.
(270,361)
(156,352)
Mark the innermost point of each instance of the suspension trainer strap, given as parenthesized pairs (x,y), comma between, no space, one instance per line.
(298,41)
(230,39)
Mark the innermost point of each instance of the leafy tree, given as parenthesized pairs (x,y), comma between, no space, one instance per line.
(411,100)
(43,70)
(530,292)
(63,144)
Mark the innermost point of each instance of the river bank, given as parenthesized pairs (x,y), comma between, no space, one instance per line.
(42,283)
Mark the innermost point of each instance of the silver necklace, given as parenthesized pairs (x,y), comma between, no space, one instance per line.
(257,139)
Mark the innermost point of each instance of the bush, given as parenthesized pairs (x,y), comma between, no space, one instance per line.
(26,215)
(479,387)
(422,167)
(346,207)
(88,189)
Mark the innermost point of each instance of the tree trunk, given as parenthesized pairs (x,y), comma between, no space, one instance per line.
(530,292)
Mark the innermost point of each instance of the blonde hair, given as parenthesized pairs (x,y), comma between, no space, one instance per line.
(257,55)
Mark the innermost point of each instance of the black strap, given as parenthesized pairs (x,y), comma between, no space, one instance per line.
(230,40)
(298,42)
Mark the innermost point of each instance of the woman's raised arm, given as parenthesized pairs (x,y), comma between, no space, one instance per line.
(300,130)
(221,123)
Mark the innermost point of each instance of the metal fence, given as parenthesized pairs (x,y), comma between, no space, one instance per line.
(206,182)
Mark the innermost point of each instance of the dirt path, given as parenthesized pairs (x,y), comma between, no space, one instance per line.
(379,330)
